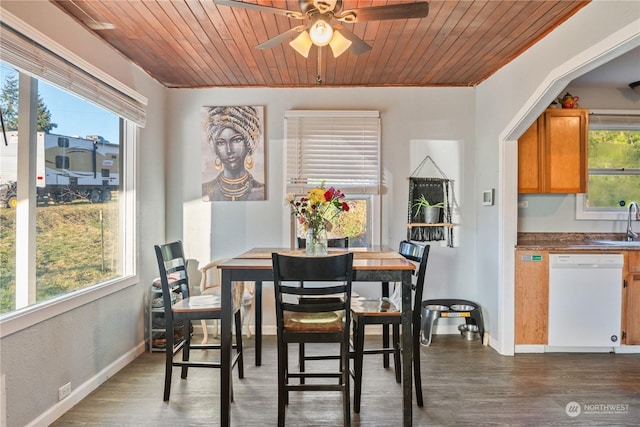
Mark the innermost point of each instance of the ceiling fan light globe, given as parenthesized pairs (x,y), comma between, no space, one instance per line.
(302,44)
(321,33)
(339,44)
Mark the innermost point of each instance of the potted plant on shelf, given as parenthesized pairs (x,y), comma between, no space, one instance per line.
(431,211)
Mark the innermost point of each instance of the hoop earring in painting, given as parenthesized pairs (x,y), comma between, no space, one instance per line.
(248,161)
(217,163)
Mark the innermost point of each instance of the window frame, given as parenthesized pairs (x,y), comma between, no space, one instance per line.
(610,214)
(28,316)
(369,192)
(373,205)
(23,318)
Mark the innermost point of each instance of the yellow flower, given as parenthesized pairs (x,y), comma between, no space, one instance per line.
(316,196)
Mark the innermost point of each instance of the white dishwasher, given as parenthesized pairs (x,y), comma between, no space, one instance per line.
(585,300)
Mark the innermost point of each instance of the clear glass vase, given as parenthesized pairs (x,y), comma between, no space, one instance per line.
(316,244)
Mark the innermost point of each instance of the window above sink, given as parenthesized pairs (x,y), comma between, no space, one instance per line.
(613,165)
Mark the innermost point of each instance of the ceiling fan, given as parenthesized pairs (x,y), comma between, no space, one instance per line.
(320,32)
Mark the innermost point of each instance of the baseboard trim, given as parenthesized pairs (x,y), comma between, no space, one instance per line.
(83,390)
(529,348)
(541,348)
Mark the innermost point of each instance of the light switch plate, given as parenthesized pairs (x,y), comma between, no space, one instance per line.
(487,197)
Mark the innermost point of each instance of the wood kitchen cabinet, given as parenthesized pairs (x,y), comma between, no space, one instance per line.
(531,297)
(552,153)
(631,299)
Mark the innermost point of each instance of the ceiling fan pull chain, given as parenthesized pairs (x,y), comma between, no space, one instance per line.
(318,76)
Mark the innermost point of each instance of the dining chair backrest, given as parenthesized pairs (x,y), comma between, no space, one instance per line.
(420,254)
(332,274)
(173,272)
(338,242)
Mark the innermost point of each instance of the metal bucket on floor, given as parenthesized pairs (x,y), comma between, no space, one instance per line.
(469,332)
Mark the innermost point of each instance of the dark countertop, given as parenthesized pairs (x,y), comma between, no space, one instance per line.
(573,242)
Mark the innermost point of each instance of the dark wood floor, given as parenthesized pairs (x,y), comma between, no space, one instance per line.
(464,384)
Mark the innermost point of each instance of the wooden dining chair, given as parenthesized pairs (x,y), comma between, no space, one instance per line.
(336,242)
(175,284)
(303,316)
(368,312)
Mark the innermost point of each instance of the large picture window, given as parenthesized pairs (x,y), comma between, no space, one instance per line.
(67,192)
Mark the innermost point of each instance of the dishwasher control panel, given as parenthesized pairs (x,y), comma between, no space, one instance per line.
(586,261)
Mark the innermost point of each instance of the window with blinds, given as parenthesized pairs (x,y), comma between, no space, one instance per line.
(27,56)
(339,148)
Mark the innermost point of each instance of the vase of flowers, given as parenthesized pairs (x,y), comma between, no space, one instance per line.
(315,212)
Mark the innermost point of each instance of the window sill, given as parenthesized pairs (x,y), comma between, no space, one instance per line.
(603,214)
(16,321)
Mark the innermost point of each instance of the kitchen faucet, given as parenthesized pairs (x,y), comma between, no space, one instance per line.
(630,234)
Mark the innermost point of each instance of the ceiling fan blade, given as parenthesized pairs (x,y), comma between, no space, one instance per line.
(275,41)
(252,6)
(378,13)
(358,46)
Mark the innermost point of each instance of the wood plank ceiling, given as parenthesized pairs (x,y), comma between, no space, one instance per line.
(196,43)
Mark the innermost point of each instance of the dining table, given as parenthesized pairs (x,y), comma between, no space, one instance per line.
(372,264)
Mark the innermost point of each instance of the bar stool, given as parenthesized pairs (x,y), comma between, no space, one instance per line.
(433,309)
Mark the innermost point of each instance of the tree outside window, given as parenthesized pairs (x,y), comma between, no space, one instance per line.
(614,168)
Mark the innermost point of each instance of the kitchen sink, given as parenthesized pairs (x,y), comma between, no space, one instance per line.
(618,242)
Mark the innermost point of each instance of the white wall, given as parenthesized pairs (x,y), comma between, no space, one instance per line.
(83,345)
(410,116)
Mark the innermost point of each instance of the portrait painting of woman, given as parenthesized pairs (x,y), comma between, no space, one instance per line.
(233,153)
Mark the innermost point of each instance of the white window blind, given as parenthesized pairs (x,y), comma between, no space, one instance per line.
(32,58)
(341,148)
(614,121)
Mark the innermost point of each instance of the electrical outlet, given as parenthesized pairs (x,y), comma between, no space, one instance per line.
(523,204)
(64,391)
